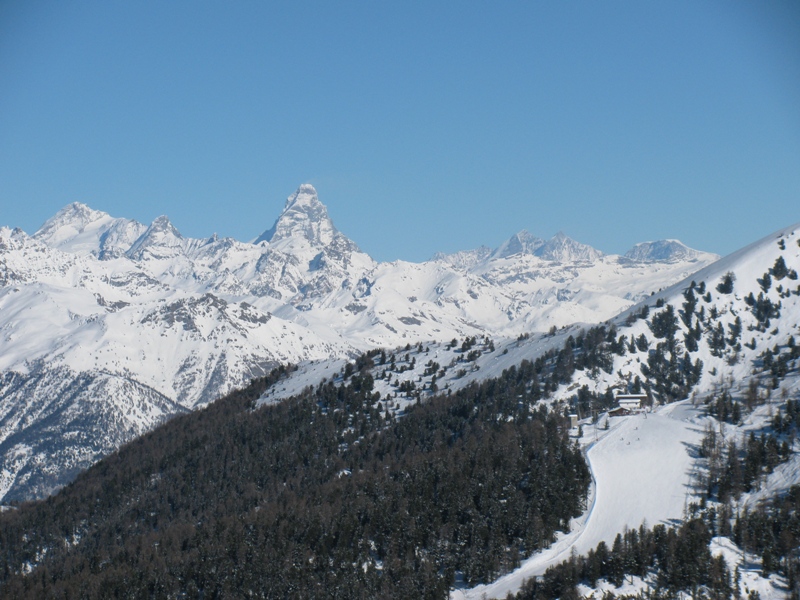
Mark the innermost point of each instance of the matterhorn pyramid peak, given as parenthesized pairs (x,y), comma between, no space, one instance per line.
(303,216)
(306,195)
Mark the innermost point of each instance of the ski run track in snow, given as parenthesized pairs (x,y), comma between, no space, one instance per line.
(641,469)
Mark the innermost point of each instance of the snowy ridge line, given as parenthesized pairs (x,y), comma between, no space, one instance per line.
(733,366)
(193,319)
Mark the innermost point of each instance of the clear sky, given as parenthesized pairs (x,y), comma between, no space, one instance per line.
(425,126)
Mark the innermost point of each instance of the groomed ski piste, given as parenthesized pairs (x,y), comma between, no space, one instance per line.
(643,468)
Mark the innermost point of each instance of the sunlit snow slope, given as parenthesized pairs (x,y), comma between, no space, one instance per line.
(642,469)
(109,326)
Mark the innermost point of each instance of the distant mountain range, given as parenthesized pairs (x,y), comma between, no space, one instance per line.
(726,326)
(108,327)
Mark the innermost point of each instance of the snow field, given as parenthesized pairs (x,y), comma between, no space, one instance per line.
(642,469)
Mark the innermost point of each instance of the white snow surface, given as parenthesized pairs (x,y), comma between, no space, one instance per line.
(642,470)
(137,323)
(665,466)
(94,292)
(191,319)
(751,578)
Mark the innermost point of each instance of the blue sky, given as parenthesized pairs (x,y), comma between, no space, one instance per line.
(425,126)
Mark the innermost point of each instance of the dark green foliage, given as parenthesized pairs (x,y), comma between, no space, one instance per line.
(724,408)
(731,470)
(468,344)
(641,343)
(688,306)
(690,341)
(778,363)
(619,346)
(308,498)
(586,402)
(716,340)
(788,422)
(763,308)
(589,350)
(779,270)
(348,370)
(735,331)
(641,314)
(765,282)
(664,324)
(680,557)
(671,375)
(473,355)
(772,531)
(726,285)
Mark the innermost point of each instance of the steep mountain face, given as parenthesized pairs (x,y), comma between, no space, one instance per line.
(307,256)
(563,249)
(160,241)
(304,221)
(78,229)
(170,323)
(519,243)
(49,421)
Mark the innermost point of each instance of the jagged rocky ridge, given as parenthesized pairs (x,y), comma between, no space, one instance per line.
(142,323)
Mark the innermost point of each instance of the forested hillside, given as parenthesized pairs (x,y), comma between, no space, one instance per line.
(393,475)
(328,494)
(110,326)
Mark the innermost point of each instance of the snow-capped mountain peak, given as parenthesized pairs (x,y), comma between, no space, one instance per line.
(304,216)
(173,321)
(662,251)
(79,229)
(160,240)
(465,259)
(562,248)
(71,219)
(519,243)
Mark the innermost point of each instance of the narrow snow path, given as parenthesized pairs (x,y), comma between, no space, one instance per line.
(642,469)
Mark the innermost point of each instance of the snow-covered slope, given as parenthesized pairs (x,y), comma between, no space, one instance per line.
(80,230)
(642,473)
(726,316)
(733,326)
(174,322)
(743,315)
